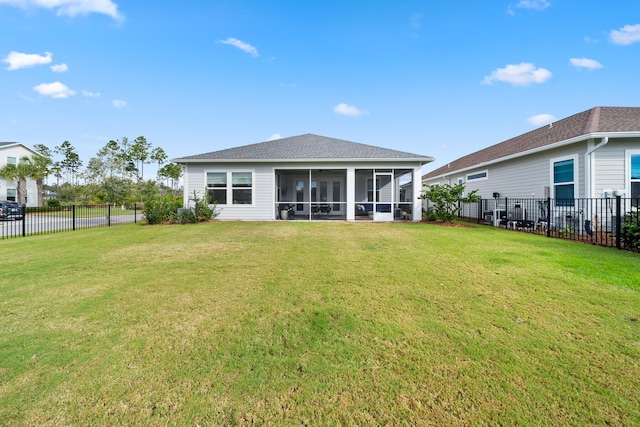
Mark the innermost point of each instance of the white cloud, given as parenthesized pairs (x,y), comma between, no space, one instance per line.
(54,90)
(533,4)
(119,104)
(59,68)
(522,74)
(626,35)
(347,110)
(274,137)
(90,94)
(541,119)
(591,64)
(17,60)
(416,21)
(245,47)
(70,7)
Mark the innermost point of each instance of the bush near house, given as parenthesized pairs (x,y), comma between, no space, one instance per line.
(447,200)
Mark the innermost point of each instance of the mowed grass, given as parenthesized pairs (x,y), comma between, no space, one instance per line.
(292,323)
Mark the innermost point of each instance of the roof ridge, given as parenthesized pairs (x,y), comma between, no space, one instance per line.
(593,122)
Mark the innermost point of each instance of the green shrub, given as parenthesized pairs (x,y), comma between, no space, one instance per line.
(160,209)
(446,200)
(52,203)
(631,231)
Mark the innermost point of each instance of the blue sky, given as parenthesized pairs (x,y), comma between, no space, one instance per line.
(438,78)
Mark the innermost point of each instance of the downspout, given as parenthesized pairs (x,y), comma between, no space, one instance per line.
(588,164)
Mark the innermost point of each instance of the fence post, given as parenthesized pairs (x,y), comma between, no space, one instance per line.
(549,216)
(506,213)
(108,215)
(135,213)
(73,217)
(24,220)
(618,221)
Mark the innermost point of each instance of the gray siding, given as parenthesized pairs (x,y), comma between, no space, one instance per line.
(610,162)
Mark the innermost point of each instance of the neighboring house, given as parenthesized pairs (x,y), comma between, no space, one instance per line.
(11,153)
(592,154)
(307,177)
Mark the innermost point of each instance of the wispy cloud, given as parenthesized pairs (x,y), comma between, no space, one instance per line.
(274,137)
(590,64)
(416,21)
(54,90)
(119,103)
(17,60)
(522,74)
(538,5)
(59,68)
(90,94)
(245,47)
(541,119)
(626,35)
(70,7)
(348,110)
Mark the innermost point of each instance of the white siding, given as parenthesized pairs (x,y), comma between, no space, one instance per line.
(17,151)
(525,177)
(610,166)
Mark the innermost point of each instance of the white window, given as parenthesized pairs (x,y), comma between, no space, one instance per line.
(633,175)
(564,176)
(11,161)
(476,176)
(11,194)
(230,188)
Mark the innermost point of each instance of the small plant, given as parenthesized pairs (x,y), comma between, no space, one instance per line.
(631,231)
(204,210)
(447,200)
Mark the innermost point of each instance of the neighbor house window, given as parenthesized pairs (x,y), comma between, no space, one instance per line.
(234,188)
(564,179)
(11,194)
(634,178)
(477,176)
(11,161)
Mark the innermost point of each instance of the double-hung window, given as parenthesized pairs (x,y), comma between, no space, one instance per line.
(564,180)
(230,188)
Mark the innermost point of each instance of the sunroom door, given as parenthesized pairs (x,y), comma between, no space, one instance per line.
(383,196)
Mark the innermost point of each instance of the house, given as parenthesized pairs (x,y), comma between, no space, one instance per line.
(11,153)
(307,177)
(592,154)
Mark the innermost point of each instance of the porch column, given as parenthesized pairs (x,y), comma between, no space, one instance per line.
(351,194)
(417,189)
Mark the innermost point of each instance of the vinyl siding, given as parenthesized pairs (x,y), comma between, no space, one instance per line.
(610,166)
(17,151)
(525,177)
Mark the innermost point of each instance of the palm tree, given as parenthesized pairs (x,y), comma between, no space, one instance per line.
(39,169)
(20,173)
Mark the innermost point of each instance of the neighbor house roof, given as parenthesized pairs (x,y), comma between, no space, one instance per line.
(304,147)
(595,122)
(9,144)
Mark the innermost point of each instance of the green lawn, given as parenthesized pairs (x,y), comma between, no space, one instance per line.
(295,323)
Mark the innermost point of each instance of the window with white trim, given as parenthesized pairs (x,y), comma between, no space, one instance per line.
(564,179)
(230,188)
(12,194)
(11,161)
(478,176)
(634,177)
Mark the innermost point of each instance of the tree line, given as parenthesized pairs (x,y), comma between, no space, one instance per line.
(115,175)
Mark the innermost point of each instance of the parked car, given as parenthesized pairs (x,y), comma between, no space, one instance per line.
(10,210)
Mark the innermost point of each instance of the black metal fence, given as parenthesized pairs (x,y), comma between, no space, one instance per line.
(595,221)
(68,218)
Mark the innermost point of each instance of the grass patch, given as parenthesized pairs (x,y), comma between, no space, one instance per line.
(287,323)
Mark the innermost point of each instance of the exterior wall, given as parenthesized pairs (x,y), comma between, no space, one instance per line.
(18,151)
(524,177)
(610,166)
(263,206)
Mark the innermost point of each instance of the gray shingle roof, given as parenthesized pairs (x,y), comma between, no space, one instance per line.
(304,147)
(595,120)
